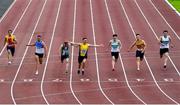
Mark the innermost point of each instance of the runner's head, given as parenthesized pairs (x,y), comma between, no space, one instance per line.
(84,40)
(66,43)
(114,36)
(138,36)
(9,32)
(165,32)
(39,37)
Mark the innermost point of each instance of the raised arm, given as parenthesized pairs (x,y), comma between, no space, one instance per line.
(74,44)
(31,44)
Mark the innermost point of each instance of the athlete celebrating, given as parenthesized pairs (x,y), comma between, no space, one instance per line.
(164,42)
(141,46)
(10,42)
(64,52)
(83,53)
(40,51)
(115,45)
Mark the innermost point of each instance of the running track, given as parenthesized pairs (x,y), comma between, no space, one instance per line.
(60,20)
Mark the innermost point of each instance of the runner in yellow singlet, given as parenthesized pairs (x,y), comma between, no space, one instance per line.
(10,42)
(83,53)
(141,45)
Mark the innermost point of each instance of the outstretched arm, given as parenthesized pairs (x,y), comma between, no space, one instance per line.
(74,44)
(100,45)
(30,44)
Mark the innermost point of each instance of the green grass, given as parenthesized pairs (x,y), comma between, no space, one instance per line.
(176,4)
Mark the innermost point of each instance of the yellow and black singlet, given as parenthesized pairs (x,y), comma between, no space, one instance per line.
(83,49)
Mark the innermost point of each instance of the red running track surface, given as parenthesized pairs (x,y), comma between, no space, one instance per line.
(60,20)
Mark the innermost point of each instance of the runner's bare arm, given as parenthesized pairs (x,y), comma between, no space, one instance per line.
(171,42)
(132,46)
(100,45)
(74,44)
(31,44)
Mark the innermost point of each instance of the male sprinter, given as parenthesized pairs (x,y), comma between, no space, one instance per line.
(141,46)
(64,52)
(10,42)
(164,42)
(115,45)
(83,53)
(40,52)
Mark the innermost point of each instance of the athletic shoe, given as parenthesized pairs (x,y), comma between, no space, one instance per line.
(36,72)
(78,71)
(9,62)
(138,69)
(113,69)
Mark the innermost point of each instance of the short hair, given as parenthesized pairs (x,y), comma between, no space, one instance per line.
(137,34)
(165,31)
(9,30)
(115,35)
(84,38)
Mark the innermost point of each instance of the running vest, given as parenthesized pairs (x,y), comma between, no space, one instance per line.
(64,50)
(10,39)
(115,47)
(140,44)
(39,47)
(164,42)
(83,49)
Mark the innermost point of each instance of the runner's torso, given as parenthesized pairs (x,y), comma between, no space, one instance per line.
(39,47)
(140,44)
(164,42)
(10,40)
(65,50)
(83,49)
(115,47)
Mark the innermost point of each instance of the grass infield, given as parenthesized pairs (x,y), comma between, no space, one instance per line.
(176,4)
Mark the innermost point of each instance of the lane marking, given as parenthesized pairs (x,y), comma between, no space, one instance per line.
(50,46)
(96,57)
(120,57)
(18,70)
(72,54)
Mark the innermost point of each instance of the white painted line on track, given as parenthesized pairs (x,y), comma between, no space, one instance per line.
(146,59)
(12,85)
(5,14)
(97,65)
(49,52)
(17,24)
(72,54)
(155,35)
(120,57)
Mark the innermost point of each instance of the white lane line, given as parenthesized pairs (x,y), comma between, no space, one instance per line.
(120,57)
(155,35)
(72,54)
(50,46)
(147,61)
(7,11)
(17,24)
(164,19)
(12,85)
(97,65)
